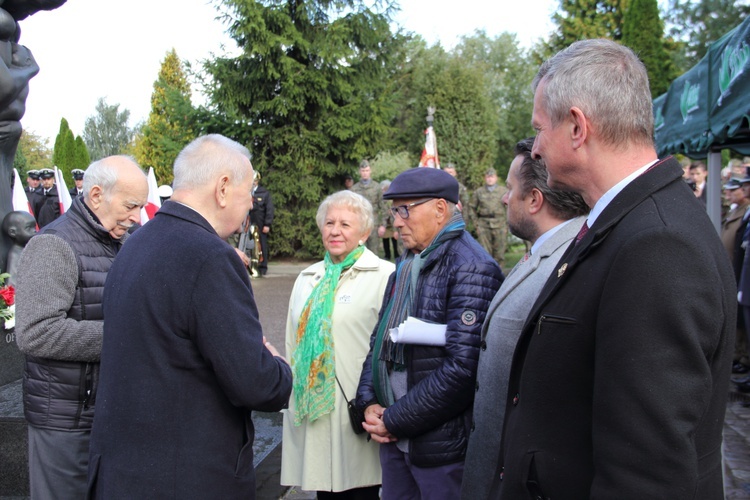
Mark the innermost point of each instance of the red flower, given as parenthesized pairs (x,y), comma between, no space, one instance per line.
(8,294)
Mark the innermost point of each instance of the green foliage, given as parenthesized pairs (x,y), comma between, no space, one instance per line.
(168,128)
(387,165)
(695,24)
(508,71)
(310,95)
(643,31)
(107,133)
(35,152)
(82,158)
(64,155)
(20,163)
(581,19)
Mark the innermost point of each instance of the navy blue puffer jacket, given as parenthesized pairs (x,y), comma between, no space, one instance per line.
(455,287)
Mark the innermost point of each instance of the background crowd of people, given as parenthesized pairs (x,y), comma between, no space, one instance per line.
(437,377)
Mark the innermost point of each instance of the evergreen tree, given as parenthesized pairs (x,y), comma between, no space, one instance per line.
(508,71)
(168,128)
(310,95)
(107,133)
(57,151)
(82,158)
(64,154)
(643,31)
(581,19)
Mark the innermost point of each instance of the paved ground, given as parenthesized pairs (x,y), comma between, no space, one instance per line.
(272,295)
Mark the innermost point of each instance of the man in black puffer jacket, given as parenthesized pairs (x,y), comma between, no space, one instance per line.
(417,398)
(59,321)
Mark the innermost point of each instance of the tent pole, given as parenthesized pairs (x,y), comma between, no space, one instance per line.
(713,183)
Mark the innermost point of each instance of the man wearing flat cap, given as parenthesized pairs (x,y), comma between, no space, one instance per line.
(488,213)
(417,395)
(77,190)
(47,207)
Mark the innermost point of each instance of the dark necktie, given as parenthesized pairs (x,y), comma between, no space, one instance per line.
(582,232)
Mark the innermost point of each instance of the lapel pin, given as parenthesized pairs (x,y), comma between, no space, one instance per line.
(562,269)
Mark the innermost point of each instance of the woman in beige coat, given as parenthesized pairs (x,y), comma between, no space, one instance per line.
(333,308)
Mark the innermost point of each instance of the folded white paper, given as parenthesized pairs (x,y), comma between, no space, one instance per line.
(416,331)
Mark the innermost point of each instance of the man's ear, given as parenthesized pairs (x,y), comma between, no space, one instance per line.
(222,190)
(441,208)
(95,197)
(579,127)
(12,232)
(535,200)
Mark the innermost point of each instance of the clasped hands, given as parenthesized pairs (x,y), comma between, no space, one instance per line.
(375,426)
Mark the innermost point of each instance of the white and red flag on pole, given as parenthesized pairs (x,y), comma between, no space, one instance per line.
(430,153)
(62,192)
(20,201)
(153,202)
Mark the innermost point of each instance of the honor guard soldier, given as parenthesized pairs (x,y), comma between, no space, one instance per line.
(77,190)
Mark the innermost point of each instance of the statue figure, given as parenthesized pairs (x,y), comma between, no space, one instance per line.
(17,67)
(19,227)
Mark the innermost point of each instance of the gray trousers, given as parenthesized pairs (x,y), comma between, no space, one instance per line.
(58,463)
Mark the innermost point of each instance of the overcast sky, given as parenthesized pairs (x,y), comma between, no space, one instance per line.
(88,49)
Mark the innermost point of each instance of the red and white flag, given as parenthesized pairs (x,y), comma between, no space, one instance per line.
(20,201)
(153,202)
(62,192)
(430,153)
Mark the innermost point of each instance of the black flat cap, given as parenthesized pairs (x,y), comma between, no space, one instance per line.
(422,182)
(46,173)
(77,173)
(33,174)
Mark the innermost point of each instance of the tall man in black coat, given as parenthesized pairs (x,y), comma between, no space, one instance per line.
(619,384)
(184,360)
(261,215)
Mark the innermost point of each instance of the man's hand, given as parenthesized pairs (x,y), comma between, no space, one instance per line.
(374,425)
(266,229)
(245,258)
(381,231)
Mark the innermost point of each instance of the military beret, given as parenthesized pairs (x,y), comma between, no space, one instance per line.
(33,174)
(490,171)
(423,182)
(46,173)
(77,173)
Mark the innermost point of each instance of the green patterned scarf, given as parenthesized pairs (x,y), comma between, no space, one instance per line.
(313,362)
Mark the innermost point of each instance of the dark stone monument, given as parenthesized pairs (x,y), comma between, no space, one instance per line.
(17,67)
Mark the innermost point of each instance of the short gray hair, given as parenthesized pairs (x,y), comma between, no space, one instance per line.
(607,82)
(205,158)
(103,174)
(352,201)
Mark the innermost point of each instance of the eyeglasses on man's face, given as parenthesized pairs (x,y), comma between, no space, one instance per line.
(403,210)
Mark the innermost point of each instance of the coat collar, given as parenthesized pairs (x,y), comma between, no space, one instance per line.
(367,262)
(656,178)
(185,213)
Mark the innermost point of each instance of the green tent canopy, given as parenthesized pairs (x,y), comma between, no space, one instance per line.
(709,105)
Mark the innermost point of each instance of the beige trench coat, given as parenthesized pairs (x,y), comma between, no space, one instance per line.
(326,455)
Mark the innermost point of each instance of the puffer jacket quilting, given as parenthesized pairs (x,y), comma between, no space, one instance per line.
(456,285)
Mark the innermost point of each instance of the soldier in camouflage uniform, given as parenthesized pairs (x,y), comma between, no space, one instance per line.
(371,191)
(487,212)
(463,193)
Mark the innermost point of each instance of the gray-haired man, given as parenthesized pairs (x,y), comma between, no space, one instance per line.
(59,324)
